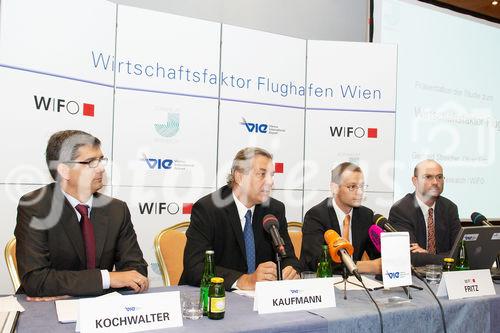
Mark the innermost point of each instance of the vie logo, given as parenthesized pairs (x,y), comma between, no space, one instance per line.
(158,163)
(393,275)
(131,308)
(62,105)
(351,131)
(255,127)
(295,291)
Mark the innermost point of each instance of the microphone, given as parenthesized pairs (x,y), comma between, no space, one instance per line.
(374,233)
(382,222)
(478,218)
(271,225)
(341,251)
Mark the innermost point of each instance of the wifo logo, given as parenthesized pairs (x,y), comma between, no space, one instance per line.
(63,105)
(159,208)
(170,128)
(353,132)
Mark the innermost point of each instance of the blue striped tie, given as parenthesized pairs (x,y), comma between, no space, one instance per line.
(249,242)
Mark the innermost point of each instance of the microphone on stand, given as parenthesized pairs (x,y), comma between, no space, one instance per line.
(341,251)
(271,225)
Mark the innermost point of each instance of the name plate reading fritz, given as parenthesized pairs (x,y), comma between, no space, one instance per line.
(465,284)
(294,295)
(131,313)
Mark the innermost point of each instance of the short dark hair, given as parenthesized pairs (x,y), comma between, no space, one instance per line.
(63,146)
(241,161)
(339,170)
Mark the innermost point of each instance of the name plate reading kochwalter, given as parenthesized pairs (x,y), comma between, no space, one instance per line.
(131,313)
(294,295)
(464,284)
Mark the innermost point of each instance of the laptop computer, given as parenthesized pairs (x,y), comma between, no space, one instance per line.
(482,244)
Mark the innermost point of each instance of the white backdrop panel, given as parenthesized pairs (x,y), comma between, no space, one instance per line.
(325,148)
(361,76)
(32,118)
(154,209)
(262,67)
(171,45)
(58,36)
(145,128)
(293,203)
(282,135)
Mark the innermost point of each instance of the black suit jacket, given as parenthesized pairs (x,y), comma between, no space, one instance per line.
(215,225)
(322,217)
(50,249)
(406,215)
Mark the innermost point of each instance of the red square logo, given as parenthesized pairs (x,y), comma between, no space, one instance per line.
(88,110)
(186,208)
(278,167)
(372,133)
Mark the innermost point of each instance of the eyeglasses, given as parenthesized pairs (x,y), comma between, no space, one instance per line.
(354,187)
(92,163)
(429,178)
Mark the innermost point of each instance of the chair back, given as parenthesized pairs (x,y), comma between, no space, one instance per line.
(169,248)
(10,260)
(295,232)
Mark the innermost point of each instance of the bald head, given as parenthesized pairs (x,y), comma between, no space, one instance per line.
(428,180)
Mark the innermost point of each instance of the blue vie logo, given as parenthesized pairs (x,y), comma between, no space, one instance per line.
(158,163)
(393,275)
(295,291)
(255,127)
(170,128)
(131,308)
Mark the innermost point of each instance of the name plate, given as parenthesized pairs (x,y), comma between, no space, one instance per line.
(131,313)
(463,284)
(396,267)
(294,295)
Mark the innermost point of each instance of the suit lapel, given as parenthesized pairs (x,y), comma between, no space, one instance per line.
(421,229)
(333,219)
(234,221)
(71,226)
(100,221)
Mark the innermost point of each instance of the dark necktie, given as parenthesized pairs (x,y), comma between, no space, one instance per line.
(431,234)
(88,235)
(249,242)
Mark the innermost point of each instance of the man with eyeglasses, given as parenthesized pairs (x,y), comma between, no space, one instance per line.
(70,239)
(430,219)
(343,213)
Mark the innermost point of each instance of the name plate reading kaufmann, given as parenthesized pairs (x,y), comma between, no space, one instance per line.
(294,295)
(131,313)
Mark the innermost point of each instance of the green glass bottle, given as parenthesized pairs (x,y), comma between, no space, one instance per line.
(463,261)
(324,264)
(208,274)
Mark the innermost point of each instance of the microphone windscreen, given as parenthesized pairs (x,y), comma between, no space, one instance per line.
(335,243)
(374,233)
(477,218)
(268,221)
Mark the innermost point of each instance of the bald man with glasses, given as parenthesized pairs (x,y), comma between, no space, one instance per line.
(343,213)
(431,219)
(71,239)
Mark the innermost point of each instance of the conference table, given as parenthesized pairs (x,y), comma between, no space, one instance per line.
(356,314)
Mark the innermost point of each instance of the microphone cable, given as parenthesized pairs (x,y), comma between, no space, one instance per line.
(433,294)
(376,305)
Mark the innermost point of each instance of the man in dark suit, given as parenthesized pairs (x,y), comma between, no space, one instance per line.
(430,219)
(343,213)
(69,237)
(229,221)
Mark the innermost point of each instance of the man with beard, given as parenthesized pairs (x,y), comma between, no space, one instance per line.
(430,219)
(343,213)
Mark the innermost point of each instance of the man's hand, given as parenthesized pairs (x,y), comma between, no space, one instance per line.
(289,273)
(415,248)
(131,279)
(46,298)
(264,272)
(370,266)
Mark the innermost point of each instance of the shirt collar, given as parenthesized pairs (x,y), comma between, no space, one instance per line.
(424,207)
(242,209)
(73,201)
(340,213)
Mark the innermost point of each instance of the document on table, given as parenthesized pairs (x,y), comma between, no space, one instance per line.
(68,309)
(10,303)
(356,285)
